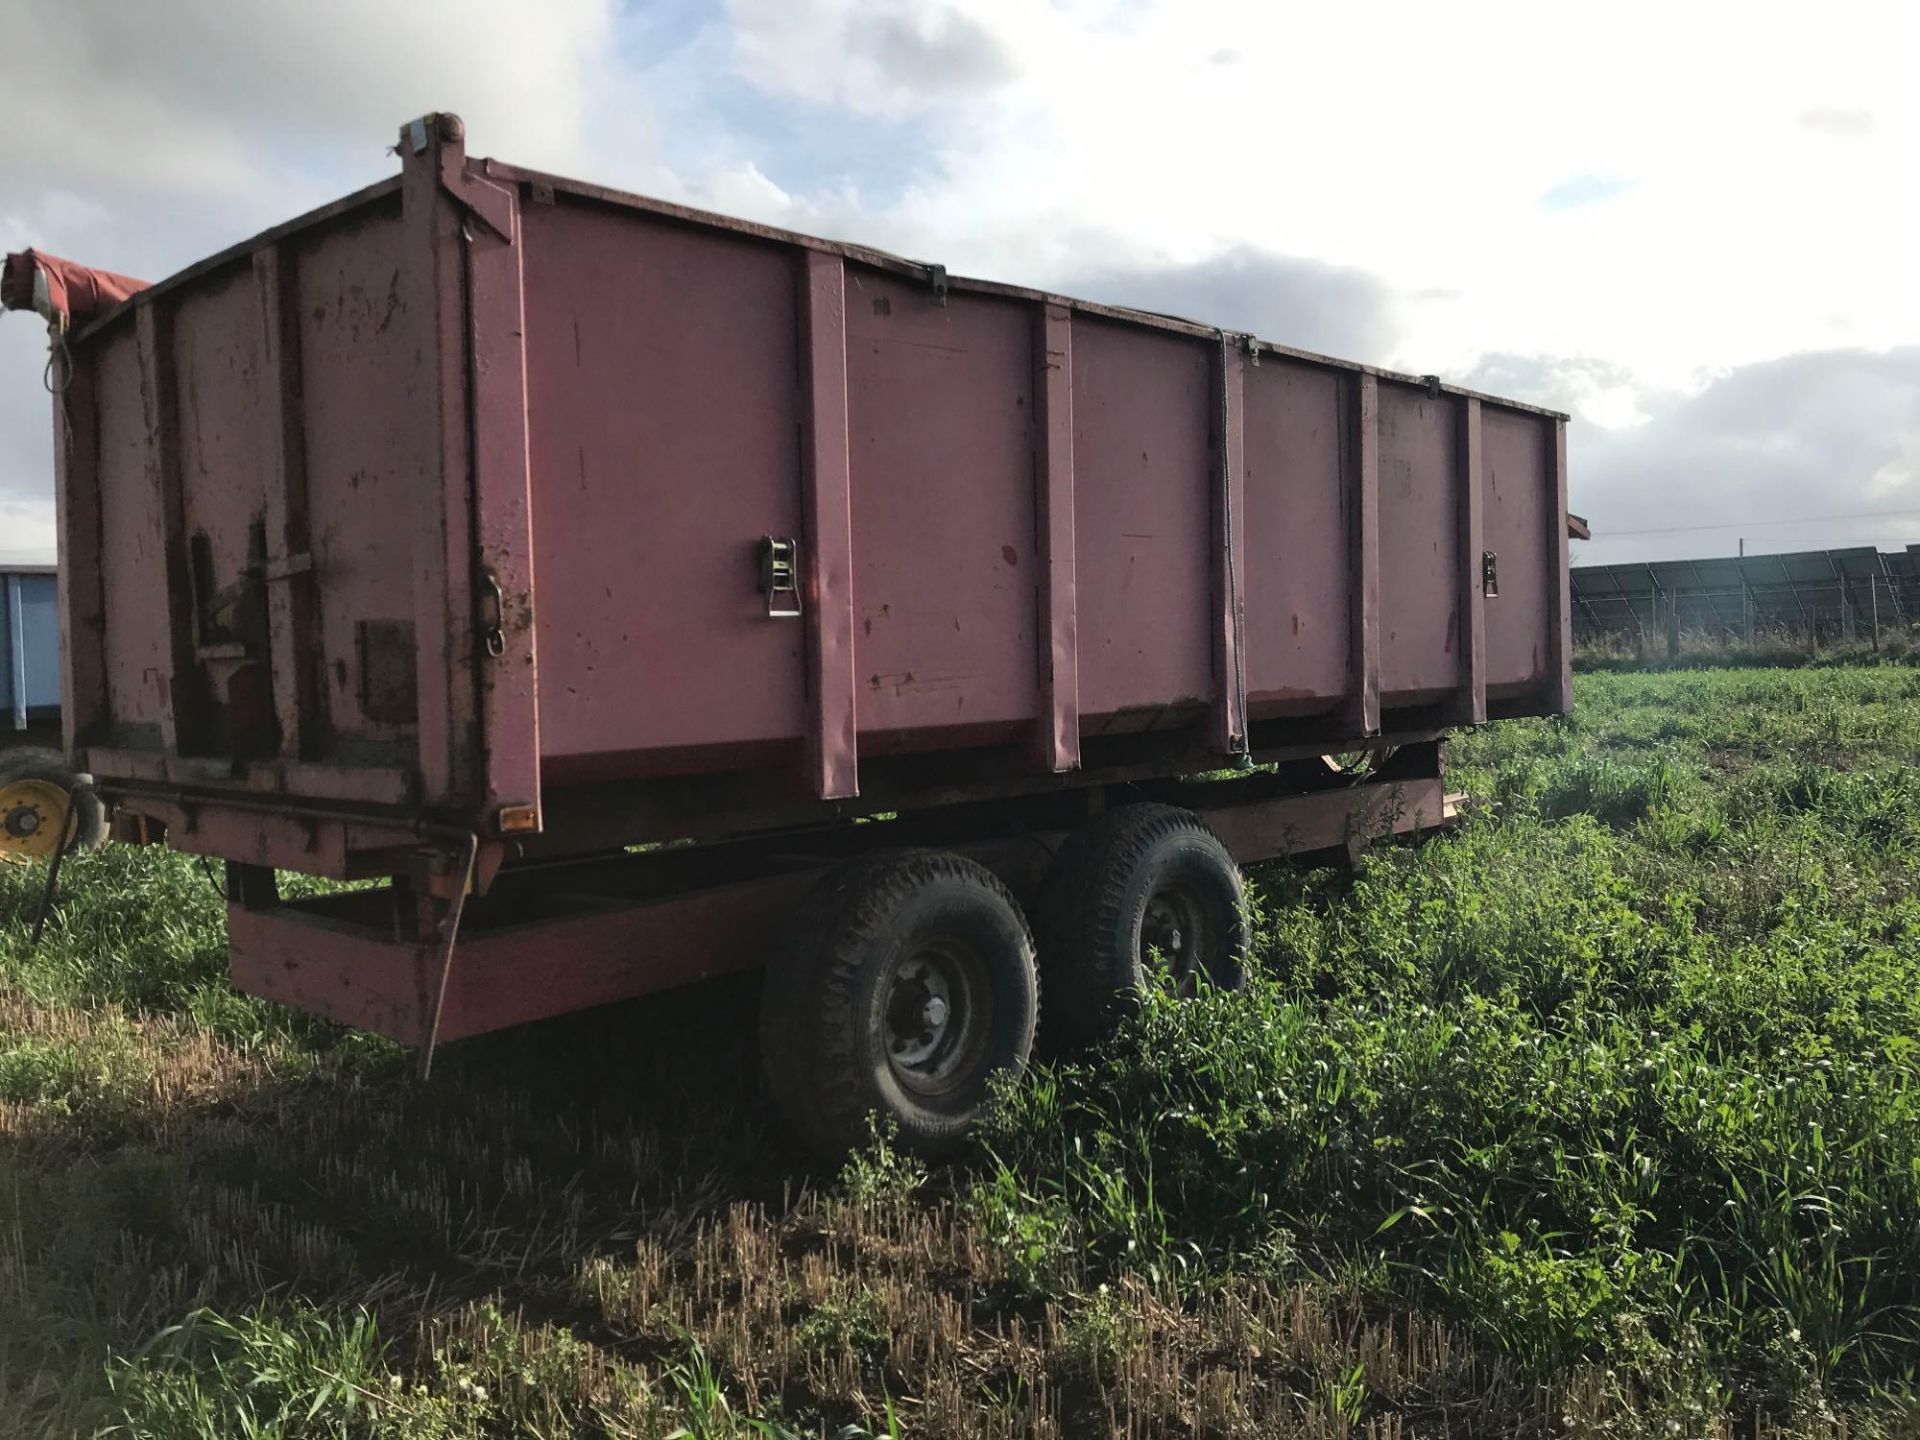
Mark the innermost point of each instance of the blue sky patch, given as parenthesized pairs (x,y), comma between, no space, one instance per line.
(1583,190)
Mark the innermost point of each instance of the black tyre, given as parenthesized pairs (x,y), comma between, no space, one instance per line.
(907,981)
(41,801)
(1142,889)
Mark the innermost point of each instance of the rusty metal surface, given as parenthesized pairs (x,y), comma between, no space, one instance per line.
(292,655)
(1058,735)
(826,479)
(665,415)
(127,555)
(363,500)
(320,216)
(1298,534)
(81,541)
(359,976)
(437,328)
(1471,703)
(1144,487)
(1331,820)
(529,437)
(1420,484)
(1229,546)
(496,397)
(1523,524)
(945,544)
(1361,713)
(1559,678)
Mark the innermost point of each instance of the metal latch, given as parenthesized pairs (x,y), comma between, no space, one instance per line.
(1489,574)
(780,576)
(493,616)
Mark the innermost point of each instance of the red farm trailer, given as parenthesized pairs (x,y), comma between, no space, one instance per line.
(647,595)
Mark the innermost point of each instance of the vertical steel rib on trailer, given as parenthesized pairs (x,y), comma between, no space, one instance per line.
(289,565)
(1472,706)
(825,479)
(1055,640)
(1362,711)
(1229,545)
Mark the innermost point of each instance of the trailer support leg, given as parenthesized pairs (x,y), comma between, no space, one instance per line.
(69,836)
(449,934)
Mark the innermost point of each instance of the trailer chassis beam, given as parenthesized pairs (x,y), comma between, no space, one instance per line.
(559,937)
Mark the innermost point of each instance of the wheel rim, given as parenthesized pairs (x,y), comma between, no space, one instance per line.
(32,816)
(936,1014)
(1176,935)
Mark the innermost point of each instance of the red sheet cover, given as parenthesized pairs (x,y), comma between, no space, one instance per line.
(71,294)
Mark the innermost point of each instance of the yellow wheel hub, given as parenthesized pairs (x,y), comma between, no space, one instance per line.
(33,816)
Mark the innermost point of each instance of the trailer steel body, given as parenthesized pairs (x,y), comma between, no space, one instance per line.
(489,514)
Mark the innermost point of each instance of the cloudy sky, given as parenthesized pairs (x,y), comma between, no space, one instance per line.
(1696,226)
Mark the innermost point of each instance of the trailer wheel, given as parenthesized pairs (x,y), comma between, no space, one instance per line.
(41,802)
(1141,892)
(905,982)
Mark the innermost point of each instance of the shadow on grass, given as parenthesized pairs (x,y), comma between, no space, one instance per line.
(335,1178)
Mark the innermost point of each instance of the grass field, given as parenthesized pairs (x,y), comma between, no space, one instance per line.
(1597,1117)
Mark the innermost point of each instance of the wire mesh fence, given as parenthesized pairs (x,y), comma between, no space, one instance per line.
(1812,598)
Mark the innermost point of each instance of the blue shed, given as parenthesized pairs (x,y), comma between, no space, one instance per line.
(36,788)
(29,647)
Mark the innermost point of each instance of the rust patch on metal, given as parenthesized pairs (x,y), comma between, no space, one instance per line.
(389,680)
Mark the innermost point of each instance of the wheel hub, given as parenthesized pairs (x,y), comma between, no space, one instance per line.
(1173,933)
(918,1012)
(932,1019)
(31,812)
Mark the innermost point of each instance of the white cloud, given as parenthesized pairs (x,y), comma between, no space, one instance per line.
(892,58)
(194,97)
(1313,305)
(26,532)
(1827,440)
(1412,142)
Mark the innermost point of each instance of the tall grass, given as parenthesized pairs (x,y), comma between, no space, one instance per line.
(1633,1054)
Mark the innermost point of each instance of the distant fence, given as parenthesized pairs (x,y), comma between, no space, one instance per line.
(1813,597)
